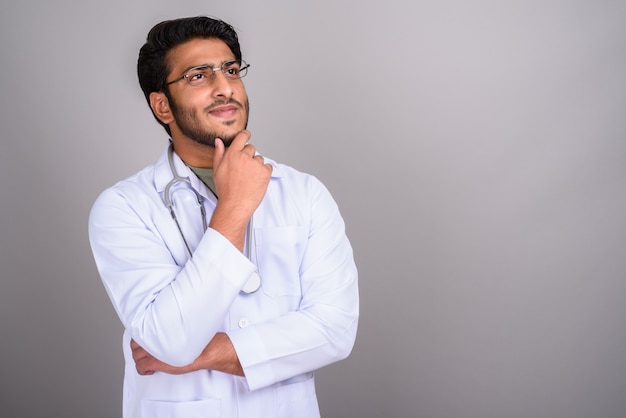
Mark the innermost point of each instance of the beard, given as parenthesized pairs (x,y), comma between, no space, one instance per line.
(188,123)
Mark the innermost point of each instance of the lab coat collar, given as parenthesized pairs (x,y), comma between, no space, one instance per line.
(163,174)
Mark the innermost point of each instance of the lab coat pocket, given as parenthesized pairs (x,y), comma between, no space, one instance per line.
(279,252)
(208,408)
(296,397)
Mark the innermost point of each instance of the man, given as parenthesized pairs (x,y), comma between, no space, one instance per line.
(231,273)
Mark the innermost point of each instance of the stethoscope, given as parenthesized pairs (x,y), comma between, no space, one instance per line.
(254,282)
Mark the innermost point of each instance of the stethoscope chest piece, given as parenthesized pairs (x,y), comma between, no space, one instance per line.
(253,284)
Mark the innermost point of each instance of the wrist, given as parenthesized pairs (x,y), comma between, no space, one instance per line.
(232,224)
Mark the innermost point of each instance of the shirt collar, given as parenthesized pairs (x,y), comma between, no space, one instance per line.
(163,174)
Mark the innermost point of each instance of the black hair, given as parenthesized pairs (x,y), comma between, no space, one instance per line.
(152,66)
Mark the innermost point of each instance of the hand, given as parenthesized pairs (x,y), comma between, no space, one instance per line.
(241,179)
(147,365)
(240,176)
(219,354)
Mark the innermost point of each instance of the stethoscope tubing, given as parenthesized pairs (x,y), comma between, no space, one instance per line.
(255,281)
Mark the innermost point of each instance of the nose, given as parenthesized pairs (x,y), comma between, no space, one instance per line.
(222,86)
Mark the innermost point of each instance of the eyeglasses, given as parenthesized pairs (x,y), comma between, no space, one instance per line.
(203,75)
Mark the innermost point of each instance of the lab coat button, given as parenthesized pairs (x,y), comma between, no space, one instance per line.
(244,322)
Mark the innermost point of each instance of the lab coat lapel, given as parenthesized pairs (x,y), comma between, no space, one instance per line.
(183,198)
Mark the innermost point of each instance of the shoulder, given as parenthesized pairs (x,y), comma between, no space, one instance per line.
(141,182)
(134,193)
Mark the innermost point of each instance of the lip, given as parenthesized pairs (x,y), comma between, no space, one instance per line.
(224,111)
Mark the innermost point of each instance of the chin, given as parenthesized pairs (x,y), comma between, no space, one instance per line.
(227,141)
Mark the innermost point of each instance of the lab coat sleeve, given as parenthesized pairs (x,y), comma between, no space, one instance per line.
(323,329)
(171,311)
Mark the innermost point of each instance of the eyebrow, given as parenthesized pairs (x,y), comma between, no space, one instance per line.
(198,67)
(206,65)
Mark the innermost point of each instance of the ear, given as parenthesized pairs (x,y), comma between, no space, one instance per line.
(161,107)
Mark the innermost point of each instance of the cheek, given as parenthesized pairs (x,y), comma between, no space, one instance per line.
(241,94)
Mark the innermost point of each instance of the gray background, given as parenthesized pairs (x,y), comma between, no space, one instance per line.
(477,150)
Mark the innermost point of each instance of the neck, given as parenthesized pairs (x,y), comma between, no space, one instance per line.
(193,153)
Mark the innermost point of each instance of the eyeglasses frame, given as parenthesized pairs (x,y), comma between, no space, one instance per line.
(244,66)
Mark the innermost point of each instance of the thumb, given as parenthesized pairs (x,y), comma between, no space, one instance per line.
(219,153)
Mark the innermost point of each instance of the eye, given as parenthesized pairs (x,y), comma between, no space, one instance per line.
(196,76)
(199,76)
(231,69)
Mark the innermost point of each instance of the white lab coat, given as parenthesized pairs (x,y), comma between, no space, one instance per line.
(304,316)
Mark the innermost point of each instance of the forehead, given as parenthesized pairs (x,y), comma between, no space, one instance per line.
(197,52)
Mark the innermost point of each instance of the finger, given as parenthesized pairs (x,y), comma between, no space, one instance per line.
(138,352)
(260,159)
(240,141)
(135,348)
(144,369)
(250,150)
(219,152)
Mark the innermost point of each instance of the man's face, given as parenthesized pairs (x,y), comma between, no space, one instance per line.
(202,114)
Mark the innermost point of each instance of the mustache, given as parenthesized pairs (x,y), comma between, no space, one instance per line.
(217,103)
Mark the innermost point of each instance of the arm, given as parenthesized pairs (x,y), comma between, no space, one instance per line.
(321,328)
(170,309)
(241,179)
(319,332)
(218,355)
